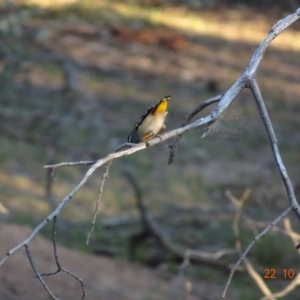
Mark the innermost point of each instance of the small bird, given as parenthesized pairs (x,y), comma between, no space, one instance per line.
(151,123)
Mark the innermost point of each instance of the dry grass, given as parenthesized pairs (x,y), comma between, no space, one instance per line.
(234,25)
(131,75)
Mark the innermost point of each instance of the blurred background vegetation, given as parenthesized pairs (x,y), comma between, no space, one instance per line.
(77,75)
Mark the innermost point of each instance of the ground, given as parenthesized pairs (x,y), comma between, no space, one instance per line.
(104,278)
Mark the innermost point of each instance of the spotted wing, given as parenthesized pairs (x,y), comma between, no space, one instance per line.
(133,137)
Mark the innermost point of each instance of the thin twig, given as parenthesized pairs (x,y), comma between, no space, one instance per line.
(54,250)
(289,231)
(54,243)
(68,164)
(104,177)
(78,279)
(239,203)
(195,255)
(253,65)
(256,238)
(191,254)
(59,267)
(250,71)
(295,282)
(174,145)
(38,275)
(258,279)
(48,189)
(293,235)
(124,146)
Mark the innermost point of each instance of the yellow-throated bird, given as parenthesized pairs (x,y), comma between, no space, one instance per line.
(151,123)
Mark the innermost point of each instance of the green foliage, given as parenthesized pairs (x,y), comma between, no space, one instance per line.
(247,293)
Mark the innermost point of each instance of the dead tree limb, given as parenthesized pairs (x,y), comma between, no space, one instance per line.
(274,145)
(59,267)
(256,238)
(151,226)
(239,203)
(293,284)
(104,177)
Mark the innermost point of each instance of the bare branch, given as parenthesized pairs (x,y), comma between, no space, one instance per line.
(289,231)
(78,279)
(135,147)
(38,275)
(250,71)
(186,121)
(85,162)
(258,279)
(54,250)
(238,203)
(69,164)
(104,177)
(59,267)
(213,256)
(256,238)
(253,65)
(124,146)
(197,255)
(273,141)
(151,225)
(295,282)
